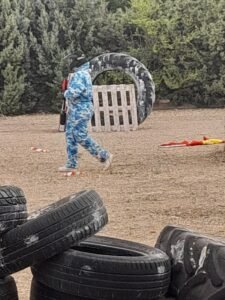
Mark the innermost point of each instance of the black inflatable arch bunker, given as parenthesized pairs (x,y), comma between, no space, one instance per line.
(136,70)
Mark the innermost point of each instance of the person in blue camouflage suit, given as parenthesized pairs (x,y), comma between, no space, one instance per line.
(79,96)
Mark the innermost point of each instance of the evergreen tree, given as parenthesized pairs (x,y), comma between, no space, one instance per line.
(54,30)
(177,45)
(26,24)
(214,54)
(90,28)
(49,55)
(12,77)
(44,34)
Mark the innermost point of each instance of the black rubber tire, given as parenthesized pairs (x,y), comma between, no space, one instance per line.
(13,209)
(198,264)
(172,241)
(107,268)
(39,291)
(8,289)
(137,71)
(52,230)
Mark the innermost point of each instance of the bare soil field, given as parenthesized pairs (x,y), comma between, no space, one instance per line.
(148,187)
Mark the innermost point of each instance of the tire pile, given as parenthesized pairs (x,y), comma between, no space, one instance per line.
(13,212)
(198,264)
(67,260)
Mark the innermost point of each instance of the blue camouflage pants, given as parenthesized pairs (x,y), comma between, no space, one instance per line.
(76,133)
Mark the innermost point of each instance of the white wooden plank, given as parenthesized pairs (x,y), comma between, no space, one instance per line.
(106,107)
(124,108)
(133,108)
(96,109)
(116,126)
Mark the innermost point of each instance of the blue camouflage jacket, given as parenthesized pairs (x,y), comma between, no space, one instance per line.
(80,86)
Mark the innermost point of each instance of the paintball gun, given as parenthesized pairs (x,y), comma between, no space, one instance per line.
(62,116)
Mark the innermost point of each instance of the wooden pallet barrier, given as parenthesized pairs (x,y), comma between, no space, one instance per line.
(115,108)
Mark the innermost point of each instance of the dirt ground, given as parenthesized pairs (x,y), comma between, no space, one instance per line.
(148,188)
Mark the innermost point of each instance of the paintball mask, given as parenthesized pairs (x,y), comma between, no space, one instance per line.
(77,60)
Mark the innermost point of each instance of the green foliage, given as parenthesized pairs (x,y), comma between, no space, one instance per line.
(90,28)
(39,38)
(181,42)
(49,55)
(114,5)
(12,75)
(113,77)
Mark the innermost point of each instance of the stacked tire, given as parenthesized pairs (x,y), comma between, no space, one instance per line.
(8,289)
(13,209)
(47,232)
(103,268)
(96,267)
(13,212)
(198,264)
(67,260)
(52,230)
